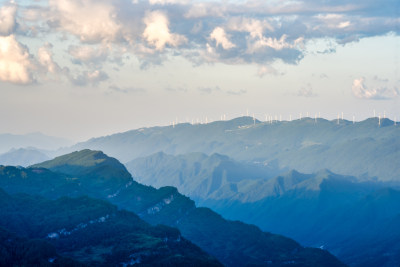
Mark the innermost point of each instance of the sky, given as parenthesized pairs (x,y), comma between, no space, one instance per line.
(88,68)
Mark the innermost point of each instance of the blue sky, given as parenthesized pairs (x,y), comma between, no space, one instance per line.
(80,69)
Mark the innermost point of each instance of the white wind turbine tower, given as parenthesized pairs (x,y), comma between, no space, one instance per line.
(315,117)
(379,120)
(338,117)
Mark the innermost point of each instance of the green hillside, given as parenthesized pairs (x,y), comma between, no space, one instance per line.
(233,243)
(94,233)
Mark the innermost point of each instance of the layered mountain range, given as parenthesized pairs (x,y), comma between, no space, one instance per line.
(367,148)
(327,184)
(94,230)
(356,219)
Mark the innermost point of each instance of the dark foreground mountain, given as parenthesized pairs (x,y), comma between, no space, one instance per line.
(356,220)
(361,149)
(17,251)
(233,243)
(90,231)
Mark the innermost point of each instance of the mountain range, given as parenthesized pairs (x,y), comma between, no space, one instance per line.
(327,184)
(307,145)
(31,140)
(23,157)
(343,214)
(94,174)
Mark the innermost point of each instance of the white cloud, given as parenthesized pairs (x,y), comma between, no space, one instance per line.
(221,38)
(157,31)
(45,58)
(88,54)
(168,2)
(91,20)
(254,27)
(231,32)
(89,78)
(306,91)
(16,64)
(264,70)
(7,19)
(360,90)
(277,44)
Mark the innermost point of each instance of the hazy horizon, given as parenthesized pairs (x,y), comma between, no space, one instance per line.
(81,69)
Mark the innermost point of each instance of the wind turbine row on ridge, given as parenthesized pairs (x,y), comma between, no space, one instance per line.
(275,118)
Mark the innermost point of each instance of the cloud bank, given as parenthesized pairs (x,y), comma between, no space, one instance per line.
(250,32)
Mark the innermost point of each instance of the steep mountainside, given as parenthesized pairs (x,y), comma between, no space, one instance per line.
(22,157)
(233,243)
(340,213)
(196,174)
(95,233)
(361,149)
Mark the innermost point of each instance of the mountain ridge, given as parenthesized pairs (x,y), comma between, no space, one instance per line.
(305,145)
(227,240)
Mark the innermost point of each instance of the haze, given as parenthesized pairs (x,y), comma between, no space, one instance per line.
(79,69)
